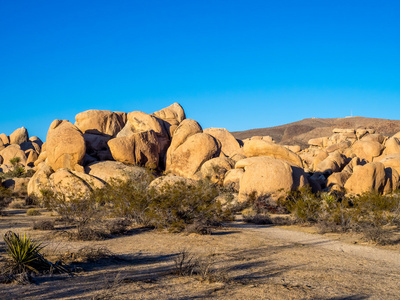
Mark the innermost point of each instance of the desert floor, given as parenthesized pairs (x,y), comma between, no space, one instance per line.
(246,262)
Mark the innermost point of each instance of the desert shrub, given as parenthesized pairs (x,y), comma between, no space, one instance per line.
(5,198)
(119,226)
(259,219)
(43,225)
(17,171)
(178,205)
(17,204)
(33,212)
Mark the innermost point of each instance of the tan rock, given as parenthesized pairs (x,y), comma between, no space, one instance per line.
(392,181)
(335,162)
(341,146)
(375,137)
(19,136)
(186,128)
(141,148)
(216,168)
(96,143)
(266,176)
(368,178)
(11,152)
(2,146)
(187,159)
(42,158)
(17,185)
(111,171)
(172,116)
(390,161)
(35,139)
(262,148)
(294,148)
(40,181)
(1,160)
(320,156)
(392,146)
(341,130)
(365,150)
(4,139)
(236,157)
(319,142)
(100,121)
(65,145)
(32,157)
(229,145)
(163,182)
(232,179)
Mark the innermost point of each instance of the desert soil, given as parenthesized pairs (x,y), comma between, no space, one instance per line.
(249,262)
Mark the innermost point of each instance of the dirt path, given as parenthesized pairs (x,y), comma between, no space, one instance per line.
(316,240)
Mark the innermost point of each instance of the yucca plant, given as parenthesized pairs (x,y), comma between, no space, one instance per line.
(24,252)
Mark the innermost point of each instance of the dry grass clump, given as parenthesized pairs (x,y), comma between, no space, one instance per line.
(43,225)
(33,212)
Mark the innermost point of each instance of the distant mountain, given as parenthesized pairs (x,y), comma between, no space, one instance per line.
(298,133)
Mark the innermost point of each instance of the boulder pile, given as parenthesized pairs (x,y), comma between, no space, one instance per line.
(102,146)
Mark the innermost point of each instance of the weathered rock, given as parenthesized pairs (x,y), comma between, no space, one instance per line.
(96,143)
(186,128)
(368,178)
(2,146)
(172,116)
(390,161)
(19,186)
(319,142)
(236,157)
(392,146)
(1,160)
(141,148)
(35,139)
(341,146)
(216,168)
(262,148)
(72,184)
(111,171)
(229,145)
(40,181)
(4,139)
(341,130)
(392,181)
(268,177)
(320,156)
(335,162)
(11,152)
(19,136)
(32,157)
(163,182)
(374,138)
(293,148)
(187,159)
(232,179)
(100,122)
(65,146)
(365,150)
(42,158)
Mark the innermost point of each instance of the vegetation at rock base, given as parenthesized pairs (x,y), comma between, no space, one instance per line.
(174,207)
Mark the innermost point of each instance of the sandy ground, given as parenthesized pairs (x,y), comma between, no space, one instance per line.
(249,262)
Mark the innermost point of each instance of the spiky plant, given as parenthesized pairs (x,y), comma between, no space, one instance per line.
(24,252)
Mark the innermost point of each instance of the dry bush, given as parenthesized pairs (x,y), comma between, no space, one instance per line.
(17,204)
(33,212)
(43,225)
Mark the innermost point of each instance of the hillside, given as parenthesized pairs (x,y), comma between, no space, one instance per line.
(301,131)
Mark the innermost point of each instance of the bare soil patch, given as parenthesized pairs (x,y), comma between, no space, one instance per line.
(249,262)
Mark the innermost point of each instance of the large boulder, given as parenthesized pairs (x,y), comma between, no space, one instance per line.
(335,162)
(366,150)
(186,128)
(368,178)
(13,151)
(19,136)
(172,116)
(100,122)
(187,159)
(65,146)
(216,168)
(232,179)
(266,176)
(375,137)
(141,148)
(390,161)
(72,184)
(40,181)
(392,146)
(97,147)
(262,148)
(4,138)
(141,122)
(319,142)
(229,145)
(111,171)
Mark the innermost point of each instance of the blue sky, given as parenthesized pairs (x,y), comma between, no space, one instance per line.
(232,64)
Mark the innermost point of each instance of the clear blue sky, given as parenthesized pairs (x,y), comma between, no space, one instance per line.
(233,64)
